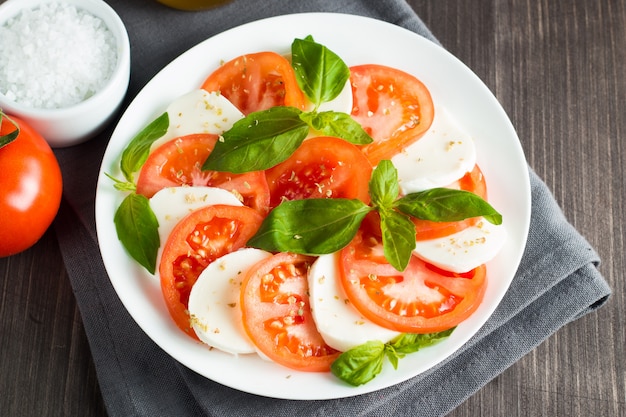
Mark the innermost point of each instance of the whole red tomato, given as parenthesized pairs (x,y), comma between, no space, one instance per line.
(30,187)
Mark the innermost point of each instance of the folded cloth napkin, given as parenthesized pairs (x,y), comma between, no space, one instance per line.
(556,283)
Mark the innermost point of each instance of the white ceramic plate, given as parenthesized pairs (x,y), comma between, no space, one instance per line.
(357,40)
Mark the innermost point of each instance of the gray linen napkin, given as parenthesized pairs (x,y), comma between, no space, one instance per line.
(556,283)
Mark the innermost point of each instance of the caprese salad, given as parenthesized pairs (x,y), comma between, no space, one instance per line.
(322,216)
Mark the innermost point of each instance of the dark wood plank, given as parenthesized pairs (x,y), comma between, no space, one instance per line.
(45,365)
(557,67)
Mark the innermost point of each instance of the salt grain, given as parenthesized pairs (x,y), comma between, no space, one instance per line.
(55,56)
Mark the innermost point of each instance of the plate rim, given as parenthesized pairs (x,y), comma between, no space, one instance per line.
(112,154)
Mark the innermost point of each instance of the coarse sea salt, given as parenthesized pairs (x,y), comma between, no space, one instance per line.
(55,56)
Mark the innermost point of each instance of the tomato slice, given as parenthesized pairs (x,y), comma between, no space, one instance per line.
(179,162)
(394,107)
(258,81)
(421,299)
(473,181)
(197,240)
(322,167)
(277,314)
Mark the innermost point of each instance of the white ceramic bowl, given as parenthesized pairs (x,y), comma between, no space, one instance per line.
(74,124)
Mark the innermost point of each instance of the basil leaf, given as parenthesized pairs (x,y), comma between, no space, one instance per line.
(337,124)
(259,141)
(398,238)
(138,149)
(383,185)
(410,342)
(361,364)
(393,355)
(320,73)
(11,136)
(137,229)
(313,226)
(447,205)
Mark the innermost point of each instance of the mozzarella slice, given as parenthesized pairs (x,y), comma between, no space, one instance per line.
(464,250)
(199,111)
(171,204)
(439,158)
(214,304)
(340,324)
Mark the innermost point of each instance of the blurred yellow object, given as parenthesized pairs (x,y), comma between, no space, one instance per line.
(192,4)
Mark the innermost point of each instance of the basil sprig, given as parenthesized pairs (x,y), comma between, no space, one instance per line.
(363,363)
(135,223)
(266,138)
(322,226)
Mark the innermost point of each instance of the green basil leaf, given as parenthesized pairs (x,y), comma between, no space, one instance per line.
(310,226)
(320,73)
(137,229)
(383,185)
(447,205)
(259,141)
(337,124)
(410,342)
(11,136)
(393,355)
(398,238)
(138,149)
(361,364)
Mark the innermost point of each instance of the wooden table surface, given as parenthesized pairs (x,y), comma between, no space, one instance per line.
(558,68)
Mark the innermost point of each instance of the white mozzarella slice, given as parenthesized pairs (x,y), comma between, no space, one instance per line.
(464,250)
(214,302)
(439,158)
(171,204)
(199,111)
(339,323)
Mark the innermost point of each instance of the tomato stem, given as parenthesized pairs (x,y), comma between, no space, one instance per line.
(10,137)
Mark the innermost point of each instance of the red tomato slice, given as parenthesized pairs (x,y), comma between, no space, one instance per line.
(322,167)
(422,299)
(197,240)
(277,314)
(256,82)
(394,107)
(474,182)
(179,162)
